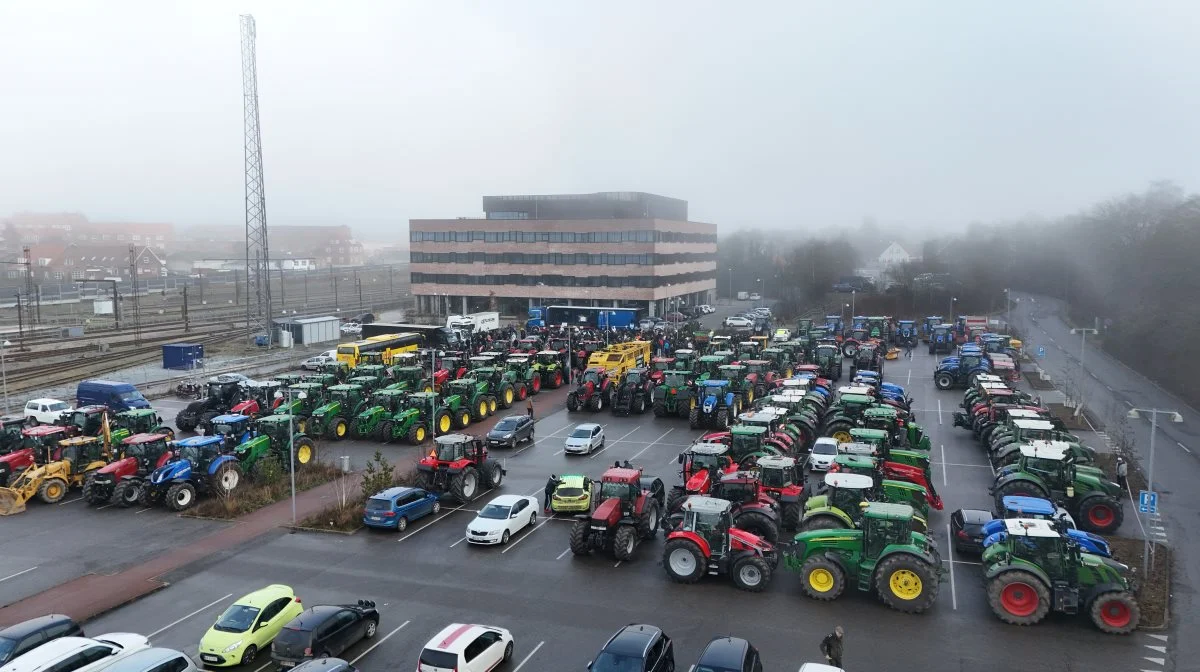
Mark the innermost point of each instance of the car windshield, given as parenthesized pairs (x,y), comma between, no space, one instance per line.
(57,406)
(825,449)
(611,662)
(237,618)
(507,424)
(132,395)
(581,433)
(495,512)
(375,504)
(610,490)
(6,647)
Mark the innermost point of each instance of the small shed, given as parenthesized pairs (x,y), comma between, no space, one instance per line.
(311,330)
(182,356)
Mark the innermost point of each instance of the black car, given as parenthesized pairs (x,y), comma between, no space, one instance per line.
(510,431)
(324,631)
(729,654)
(25,636)
(636,647)
(966,528)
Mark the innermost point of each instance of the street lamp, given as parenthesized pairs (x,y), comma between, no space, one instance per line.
(1008,306)
(292,445)
(1083,332)
(1134,414)
(853,298)
(760,290)
(4,372)
(950,317)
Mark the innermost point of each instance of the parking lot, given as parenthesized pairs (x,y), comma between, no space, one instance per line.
(560,607)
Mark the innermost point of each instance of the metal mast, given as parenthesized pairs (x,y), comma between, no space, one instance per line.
(258,264)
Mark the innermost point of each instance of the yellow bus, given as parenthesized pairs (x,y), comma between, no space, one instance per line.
(387,345)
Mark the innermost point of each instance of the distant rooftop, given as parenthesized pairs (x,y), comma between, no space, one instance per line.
(600,205)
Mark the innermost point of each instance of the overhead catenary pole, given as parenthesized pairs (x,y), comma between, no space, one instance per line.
(258,257)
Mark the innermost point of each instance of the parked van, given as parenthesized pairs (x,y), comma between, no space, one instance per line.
(116,396)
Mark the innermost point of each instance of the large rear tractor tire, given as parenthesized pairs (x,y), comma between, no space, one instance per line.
(790,516)
(648,524)
(1116,612)
(822,579)
(481,410)
(675,499)
(579,537)
(464,419)
(694,418)
(522,392)
(944,381)
(1017,488)
(506,396)
(751,574)
(127,493)
(226,480)
(417,435)
(89,485)
(906,583)
(52,490)
(839,430)
(388,432)
(354,430)
(683,561)
(572,402)
(305,451)
(596,403)
(757,524)
(1018,597)
(493,474)
(443,422)
(424,481)
(660,409)
(465,485)
(624,542)
(338,428)
(1100,515)
(181,496)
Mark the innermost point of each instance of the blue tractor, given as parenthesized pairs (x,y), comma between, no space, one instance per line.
(941,339)
(234,428)
(928,324)
(960,372)
(1043,509)
(715,404)
(201,465)
(906,333)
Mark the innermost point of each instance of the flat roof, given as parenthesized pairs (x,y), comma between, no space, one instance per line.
(844,480)
(1033,423)
(1029,527)
(1049,450)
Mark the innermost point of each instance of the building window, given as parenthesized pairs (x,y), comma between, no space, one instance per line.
(136,237)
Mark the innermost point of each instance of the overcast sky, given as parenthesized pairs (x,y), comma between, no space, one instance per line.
(797,114)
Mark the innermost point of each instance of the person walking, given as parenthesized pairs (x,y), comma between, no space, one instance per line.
(1122,472)
(908,348)
(831,647)
(551,486)
(529,407)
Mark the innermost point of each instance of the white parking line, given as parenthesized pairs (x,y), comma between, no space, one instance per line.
(939,411)
(908,383)
(101,508)
(618,564)
(70,501)
(637,454)
(1183,446)
(950,550)
(458,542)
(526,658)
(23,571)
(381,641)
(144,510)
(944,476)
(525,536)
(431,523)
(955,464)
(607,445)
(180,620)
(265,666)
(560,555)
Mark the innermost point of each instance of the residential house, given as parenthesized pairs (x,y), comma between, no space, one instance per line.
(893,255)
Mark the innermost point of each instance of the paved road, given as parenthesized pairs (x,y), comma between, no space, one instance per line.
(1111,388)
(561,607)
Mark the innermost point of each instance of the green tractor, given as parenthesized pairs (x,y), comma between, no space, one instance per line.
(305,397)
(738,384)
(139,421)
(674,396)
(877,440)
(368,383)
(498,383)
(840,506)
(322,379)
(1031,568)
(288,379)
(520,373)
(277,437)
(339,370)
(548,364)
(902,566)
(472,395)
(376,370)
(368,424)
(409,379)
(844,415)
(331,419)
(747,443)
(706,366)
(828,357)
(781,360)
(685,360)
(1046,470)
(410,419)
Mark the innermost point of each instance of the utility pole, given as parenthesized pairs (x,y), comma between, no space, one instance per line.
(306,290)
(137,313)
(358,282)
(20,323)
(258,258)
(336,301)
(282,288)
(1083,332)
(28,260)
(37,298)
(186,324)
(391,284)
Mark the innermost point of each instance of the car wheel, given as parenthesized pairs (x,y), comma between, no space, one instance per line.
(437,508)
(532,518)
(508,651)
(249,654)
(504,538)
(372,626)
(402,524)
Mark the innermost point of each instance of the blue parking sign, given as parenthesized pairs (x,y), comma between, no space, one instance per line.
(1147,501)
(1041,351)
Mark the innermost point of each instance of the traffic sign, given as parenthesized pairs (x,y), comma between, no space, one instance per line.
(1042,351)
(1148,501)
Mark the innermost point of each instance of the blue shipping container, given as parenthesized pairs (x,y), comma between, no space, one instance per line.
(182,356)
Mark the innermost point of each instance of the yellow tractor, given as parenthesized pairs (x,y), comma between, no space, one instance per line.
(50,480)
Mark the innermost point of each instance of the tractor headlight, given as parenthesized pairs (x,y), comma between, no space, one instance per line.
(231,647)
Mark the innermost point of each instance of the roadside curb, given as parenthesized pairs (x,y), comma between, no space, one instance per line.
(301,528)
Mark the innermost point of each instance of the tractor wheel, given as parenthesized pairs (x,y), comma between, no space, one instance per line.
(944,381)
(558,380)
(491,402)
(822,523)
(304,451)
(226,480)
(572,402)
(694,418)
(465,485)
(906,583)
(535,385)
(660,409)
(89,485)
(424,481)
(648,524)
(52,490)
(493,475)
(389,431)
(417,435)
(181,496)
(1100,515)
(839,430)
(1017,488)
(822,579)
(126,493)
(443,422)
(579,537)
(596,403)
(149,496)
(683,561)
(481,409)
(506,395)
(676,499)
(464,419)
(791,516)
(338,428)
(751,574)
(757,524)
(522,392)
(624,542)
(1115,612)
(639,404)
(1018,597)
(849,350)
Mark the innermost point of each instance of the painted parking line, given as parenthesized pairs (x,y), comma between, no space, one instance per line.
(648,446)
(431,523)
(957,464)
(945,481)
(101,508)
(608,445)
(381,641)
(526,658)
(70,501)
(525,536)
(265,665)
(939,411)
(560,555)
(180,620)
(458,542)
(1185,448)
(13,576)
(144,510)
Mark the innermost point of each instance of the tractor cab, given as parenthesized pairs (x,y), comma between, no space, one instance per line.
(710,518)
(390,400)
(529,344)
(659,366)
(748,441)
(263,391)
(199,451)
(367,383)
(779,471)
(10,433)
(734,373)
(705,457)
(636,377)
(322,379)
(907,331)
(595,375)
(279,428)
(887,524)
(336,370)
(844,491)
(747,349)
(1048,460)
(288,379)
(370,359)
(876,438)
(224,392)
(676,380)
(825,354)
(854,390)
(137,420)
(622,484)
(549,358)
(422,402)
(83,452)
(941,338)
(454,448)
(518,363)
(759,367)
(685,358)
(88,420)
(1040,542)
(350,395)
(42,440)
(464,387)
(147,449)
(1027,430)
(706,366)
(768,420)
(407,377)
(485,360)
(234,428)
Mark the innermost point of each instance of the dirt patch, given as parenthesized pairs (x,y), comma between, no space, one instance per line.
(345,513)
(1035,381)
(1070,420)
(264,489)
(1154,589)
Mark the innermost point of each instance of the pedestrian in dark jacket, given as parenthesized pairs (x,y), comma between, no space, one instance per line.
(529,407)
(831,647)
(551,486)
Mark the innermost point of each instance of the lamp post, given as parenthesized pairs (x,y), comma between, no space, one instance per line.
(730,269)
(292,446)
(1083,332)
(853,300)
(4,372)
(1135,413)
(760,291)
(1008,307)
(950,317)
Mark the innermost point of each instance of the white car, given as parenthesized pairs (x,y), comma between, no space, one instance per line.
(78,654)
(585,438)
(352,328)
(756,297)
(738,322)
(706,309)
(461,647)
(503,517)
(782,335)
(153,660)
(45,411)
(823,453)
(315,363)
(819,667)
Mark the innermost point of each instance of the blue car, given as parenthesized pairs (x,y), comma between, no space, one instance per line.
(395,508)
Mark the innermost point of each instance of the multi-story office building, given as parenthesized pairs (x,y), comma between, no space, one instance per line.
(627,249)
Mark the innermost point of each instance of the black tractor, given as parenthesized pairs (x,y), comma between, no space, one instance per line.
(223,392)
(633,395)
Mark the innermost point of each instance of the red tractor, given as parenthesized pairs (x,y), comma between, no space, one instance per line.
(783,479)
(38,440)
(451,366)
(753,509)
(530,345)
(760,376)
(459,465)
(701,463)
(260,399)
(121,482)
(707,542)
(658,368)
(630,509)
(594,391)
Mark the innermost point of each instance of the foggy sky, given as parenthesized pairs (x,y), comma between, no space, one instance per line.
(797,114)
